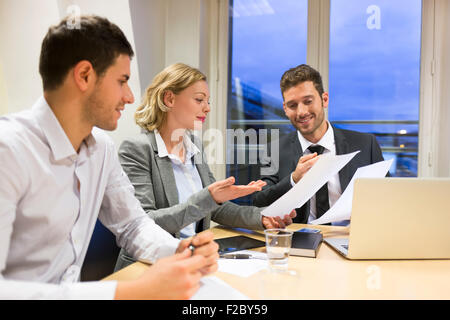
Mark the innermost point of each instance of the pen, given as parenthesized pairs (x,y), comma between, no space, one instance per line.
(240,256)
(192,248)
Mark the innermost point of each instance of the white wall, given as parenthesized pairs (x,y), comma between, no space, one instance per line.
(23,25)
(149,21)
(118,12)
(170,31)
(188,31)
(3,93)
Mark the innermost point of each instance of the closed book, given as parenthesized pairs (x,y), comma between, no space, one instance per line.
(305,244)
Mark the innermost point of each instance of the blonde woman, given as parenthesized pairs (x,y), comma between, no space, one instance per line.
(169,172)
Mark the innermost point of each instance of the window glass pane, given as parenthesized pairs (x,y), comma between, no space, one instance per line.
(267,37)
(374,74)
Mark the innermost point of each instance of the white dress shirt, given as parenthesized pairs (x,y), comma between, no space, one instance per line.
(187,178)
(334,185)
(46,220)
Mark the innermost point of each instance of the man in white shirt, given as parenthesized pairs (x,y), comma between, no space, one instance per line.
(59,172)
(304,103)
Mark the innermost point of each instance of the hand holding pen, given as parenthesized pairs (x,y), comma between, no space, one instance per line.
(202,244)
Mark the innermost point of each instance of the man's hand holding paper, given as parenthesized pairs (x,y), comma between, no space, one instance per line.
(325,166)
(278,222)
(303,165)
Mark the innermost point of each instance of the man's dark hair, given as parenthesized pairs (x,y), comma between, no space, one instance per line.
(299,74)
(94,39)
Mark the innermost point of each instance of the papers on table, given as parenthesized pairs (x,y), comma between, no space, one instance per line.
(212,288)
(342,209)
(320,173)
(244,267)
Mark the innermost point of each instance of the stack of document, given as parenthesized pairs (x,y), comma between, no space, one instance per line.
(322,171)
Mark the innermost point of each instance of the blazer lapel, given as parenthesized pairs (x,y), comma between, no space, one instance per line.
(166,173)
(202,170)
(342,147)
(297,151)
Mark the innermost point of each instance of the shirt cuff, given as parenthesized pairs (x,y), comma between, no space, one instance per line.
(292,181)
(205,200)
(165,249)
(23,290)
(95,290)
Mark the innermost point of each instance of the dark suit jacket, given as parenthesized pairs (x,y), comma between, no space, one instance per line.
(290,151)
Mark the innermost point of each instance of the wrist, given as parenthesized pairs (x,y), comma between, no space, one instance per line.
(212,195)
(124,291)
(295,178)
(263,222)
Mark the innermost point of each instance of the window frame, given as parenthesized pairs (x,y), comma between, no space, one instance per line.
(318,41)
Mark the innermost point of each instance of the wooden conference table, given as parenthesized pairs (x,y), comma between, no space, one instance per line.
(331,276)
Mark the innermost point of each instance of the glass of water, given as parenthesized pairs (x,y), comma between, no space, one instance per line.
(278,245)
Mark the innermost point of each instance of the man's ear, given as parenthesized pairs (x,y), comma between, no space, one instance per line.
(325,99)
(284,107)
(84,75)
(284,103)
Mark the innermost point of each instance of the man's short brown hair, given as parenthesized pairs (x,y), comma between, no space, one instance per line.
(94,39)
(299,74)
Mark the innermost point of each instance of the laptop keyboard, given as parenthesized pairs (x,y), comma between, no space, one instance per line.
(345,246)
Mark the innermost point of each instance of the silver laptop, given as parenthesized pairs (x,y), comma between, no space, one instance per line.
(398,218)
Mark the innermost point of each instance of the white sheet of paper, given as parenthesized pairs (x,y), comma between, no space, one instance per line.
(342,209)
(212,288)
(320,173)
(244,267)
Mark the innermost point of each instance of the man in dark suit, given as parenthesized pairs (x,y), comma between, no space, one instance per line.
(304,103)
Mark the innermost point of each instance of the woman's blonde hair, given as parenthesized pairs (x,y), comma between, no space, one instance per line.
(152,112)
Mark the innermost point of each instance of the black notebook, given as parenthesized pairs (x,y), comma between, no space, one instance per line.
(305,244)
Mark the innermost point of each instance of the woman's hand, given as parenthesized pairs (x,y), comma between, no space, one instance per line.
(225,190)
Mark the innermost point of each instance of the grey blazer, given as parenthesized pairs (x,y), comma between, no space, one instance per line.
(155,187)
